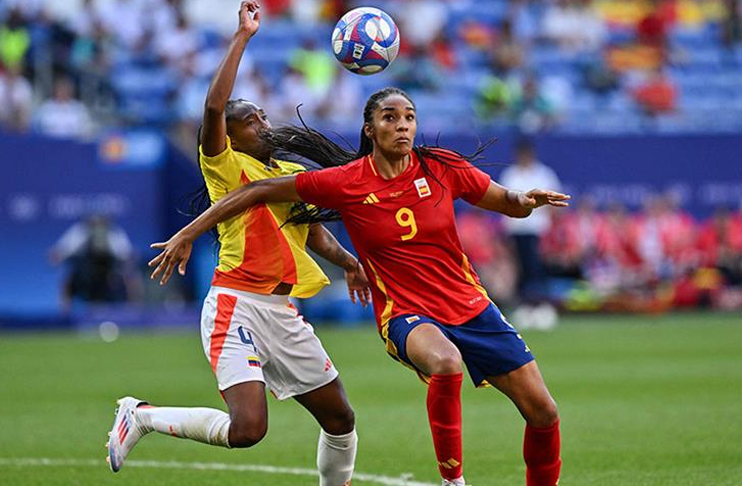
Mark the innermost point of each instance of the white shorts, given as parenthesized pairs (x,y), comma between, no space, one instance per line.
(253,337)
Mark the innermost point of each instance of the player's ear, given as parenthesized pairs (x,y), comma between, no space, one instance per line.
(368,130)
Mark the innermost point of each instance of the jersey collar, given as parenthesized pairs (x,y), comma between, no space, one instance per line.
(372,165)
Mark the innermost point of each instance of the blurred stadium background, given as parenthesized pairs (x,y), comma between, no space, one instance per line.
(631,106)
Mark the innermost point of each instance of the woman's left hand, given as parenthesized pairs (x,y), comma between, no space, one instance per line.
(535,198)
(175,252)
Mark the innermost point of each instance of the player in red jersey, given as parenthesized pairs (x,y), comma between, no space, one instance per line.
(396,200)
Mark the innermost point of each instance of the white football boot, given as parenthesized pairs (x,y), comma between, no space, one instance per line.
(455,482)
(125,432)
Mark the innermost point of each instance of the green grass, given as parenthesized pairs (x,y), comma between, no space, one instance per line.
(644,401)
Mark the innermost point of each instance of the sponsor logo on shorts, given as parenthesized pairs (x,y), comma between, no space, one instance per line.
(253,361)
(412,319)
(423,189)
(328,365)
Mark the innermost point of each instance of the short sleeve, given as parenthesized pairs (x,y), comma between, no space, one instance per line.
(221,172)
(465,180)
(323,188)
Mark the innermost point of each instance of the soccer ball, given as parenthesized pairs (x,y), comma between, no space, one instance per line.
(365,40)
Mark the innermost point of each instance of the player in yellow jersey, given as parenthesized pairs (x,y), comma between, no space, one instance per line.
(251,333)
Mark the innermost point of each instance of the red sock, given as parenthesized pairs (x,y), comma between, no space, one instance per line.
(444,414)
(541,452)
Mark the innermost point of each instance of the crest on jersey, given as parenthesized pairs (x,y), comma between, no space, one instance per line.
(423,189)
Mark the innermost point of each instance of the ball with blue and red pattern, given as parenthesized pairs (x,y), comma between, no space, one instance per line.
(365,40)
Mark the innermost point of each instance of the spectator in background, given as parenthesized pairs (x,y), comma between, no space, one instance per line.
(418,71)
(317,67)
(507,52)
(174,45)
(618,263)
(276,8)
(15,40)
(527,173)
(530,109)
(343,101)
(97,253)
(421,21)
(732,23)
(650,243)
(575,26)
(524,20)
(442,53)
(561,246)
(295,90)
(63,116)
(123,19)
(679,233)
(307,12)
(483,241)
(83,21)
(16,97)
(720,244)
(652,29)
(163,14)
(657,95)
(493,98)
(27,9)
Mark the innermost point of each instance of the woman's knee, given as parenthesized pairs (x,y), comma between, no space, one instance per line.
(543,414)
(340,422)
(447,363)
(247,433)
(431,352)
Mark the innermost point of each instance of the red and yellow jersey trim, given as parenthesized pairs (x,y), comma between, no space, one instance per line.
(257,250)
(469,275)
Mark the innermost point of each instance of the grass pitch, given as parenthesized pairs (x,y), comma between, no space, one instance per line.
(644,401)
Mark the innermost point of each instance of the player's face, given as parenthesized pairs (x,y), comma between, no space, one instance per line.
(393,126)
(245,128)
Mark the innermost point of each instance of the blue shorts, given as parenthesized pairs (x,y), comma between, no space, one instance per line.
(489,345)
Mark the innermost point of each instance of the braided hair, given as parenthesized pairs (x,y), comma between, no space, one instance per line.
(310,145)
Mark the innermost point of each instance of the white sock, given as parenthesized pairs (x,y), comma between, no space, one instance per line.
(456,482)
(336,457)
(207,425)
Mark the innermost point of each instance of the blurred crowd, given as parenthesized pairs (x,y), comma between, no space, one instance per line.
(69,68)
(586,258)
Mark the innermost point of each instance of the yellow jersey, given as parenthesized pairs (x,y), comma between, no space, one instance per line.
(257,251)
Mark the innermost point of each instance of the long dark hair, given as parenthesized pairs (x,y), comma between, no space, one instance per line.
(310,145)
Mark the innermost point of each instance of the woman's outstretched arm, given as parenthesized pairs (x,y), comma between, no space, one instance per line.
(214,133)
(517,204)
(177,250)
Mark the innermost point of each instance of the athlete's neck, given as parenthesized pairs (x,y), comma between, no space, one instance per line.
(390,167)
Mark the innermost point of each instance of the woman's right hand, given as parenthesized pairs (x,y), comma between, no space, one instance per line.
(249,17)
(175,252)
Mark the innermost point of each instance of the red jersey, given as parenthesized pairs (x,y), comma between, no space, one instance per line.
(405,233)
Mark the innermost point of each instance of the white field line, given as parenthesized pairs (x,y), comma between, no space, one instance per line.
(205,466)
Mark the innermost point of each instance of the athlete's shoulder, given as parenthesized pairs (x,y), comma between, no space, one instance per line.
(448,156)
(349,171)
(228,152)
